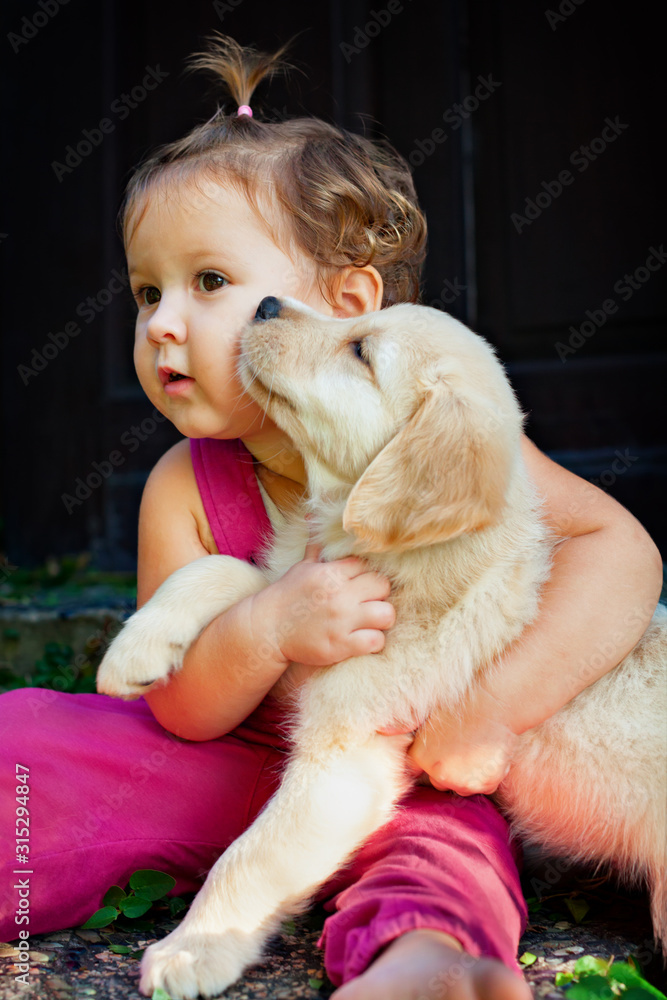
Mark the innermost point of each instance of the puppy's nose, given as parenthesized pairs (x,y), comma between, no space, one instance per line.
(269,308)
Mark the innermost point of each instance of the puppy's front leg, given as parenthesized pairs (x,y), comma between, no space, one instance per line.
(328,803)
(153,642)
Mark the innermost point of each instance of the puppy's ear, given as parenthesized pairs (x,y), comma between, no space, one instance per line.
(445,473)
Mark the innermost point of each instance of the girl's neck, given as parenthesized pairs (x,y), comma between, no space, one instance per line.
(282,474)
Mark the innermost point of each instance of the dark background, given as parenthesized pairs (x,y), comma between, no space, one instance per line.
(557,74)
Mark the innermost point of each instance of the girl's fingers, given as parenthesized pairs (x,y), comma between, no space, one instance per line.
(372,586)
(313,548)
(364,641)
(377,614)
(313,551)
(398,729)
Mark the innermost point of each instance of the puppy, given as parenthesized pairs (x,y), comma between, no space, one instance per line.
(410,433)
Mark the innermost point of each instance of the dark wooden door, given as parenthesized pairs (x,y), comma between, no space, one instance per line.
(489,102)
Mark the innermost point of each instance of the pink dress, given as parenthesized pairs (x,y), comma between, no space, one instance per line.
(112,791)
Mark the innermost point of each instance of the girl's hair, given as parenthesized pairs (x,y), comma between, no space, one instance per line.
(346,200)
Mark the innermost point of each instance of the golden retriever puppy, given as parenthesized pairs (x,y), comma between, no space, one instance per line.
(410,433)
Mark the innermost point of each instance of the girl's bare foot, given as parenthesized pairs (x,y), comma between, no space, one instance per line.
(428,965)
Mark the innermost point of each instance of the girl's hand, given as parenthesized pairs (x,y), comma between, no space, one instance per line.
(468,752)
(320,613)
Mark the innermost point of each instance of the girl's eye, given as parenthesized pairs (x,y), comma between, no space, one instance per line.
(358,351)
(147,295)
(210,281)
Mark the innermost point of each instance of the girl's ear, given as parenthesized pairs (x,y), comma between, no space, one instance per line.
(357,290)
(445,473)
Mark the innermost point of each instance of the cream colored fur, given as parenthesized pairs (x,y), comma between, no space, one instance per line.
(414,462)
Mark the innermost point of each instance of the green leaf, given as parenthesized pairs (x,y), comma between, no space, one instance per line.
(147,892)
(591,988)
(528,958)
(113,896)
(588,965)
(623,973)
(100,918)
(120,949)
(578,908)
(637,993)
(160,994)
(289,927)
(534,904)
(176,904)
(150,884)
(563,978)
(315,984)
(133,907)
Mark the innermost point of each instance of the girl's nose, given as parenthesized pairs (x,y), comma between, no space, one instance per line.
(166,323)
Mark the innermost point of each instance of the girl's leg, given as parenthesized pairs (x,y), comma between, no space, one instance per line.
(443,864)
(111,791)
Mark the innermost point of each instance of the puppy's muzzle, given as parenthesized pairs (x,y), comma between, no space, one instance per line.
(269,308)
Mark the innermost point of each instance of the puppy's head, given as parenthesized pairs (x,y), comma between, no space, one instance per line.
(406,407)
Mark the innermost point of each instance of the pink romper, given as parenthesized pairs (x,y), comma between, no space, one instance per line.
(112,791)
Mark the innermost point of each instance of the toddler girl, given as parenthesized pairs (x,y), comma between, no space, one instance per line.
(238,210)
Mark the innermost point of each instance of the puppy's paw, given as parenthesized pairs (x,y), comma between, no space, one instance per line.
(147,649)
(188,965)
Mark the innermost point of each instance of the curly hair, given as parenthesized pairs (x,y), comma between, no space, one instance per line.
(347,200)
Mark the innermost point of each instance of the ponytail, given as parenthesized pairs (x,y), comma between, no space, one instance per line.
(239,69)
(346,200)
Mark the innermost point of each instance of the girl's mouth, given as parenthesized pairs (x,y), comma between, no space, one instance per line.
(179,385)
(174,383)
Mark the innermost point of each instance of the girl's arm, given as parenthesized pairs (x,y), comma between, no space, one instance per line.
(239,657)
(197,702)
(603,589)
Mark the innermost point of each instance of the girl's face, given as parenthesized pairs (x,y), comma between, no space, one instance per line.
(200,261)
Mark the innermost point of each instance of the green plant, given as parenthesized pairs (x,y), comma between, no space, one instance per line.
(62,576)
(577,907)
(600,979)
(146,888)
(54,670)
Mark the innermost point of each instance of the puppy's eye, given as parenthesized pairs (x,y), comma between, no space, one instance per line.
(359,351)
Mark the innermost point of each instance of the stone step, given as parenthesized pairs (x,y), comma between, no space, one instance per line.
(86,624)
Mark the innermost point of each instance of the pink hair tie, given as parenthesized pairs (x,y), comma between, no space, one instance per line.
(244,110)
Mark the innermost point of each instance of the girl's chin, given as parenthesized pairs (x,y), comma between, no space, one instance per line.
(197,420)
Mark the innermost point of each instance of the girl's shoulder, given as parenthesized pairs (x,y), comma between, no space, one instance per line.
(171,496)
